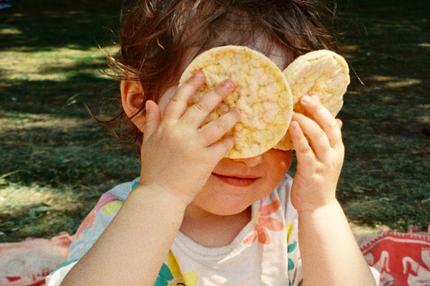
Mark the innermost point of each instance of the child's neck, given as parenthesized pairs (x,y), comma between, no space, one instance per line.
(212,230)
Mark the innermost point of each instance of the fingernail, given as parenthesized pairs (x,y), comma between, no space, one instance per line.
(306,99)
(294,124)
(228,84)
(198,75)
(146,106)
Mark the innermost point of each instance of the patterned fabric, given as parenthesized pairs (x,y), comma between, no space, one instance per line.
(403,259)
(265,252)
(269,240)
(28,262)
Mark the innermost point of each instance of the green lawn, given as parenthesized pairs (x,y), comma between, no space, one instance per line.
(56,161)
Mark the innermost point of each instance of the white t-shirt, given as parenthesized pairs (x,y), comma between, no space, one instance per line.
(265,252)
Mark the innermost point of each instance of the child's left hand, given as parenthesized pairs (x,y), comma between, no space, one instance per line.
(317,139)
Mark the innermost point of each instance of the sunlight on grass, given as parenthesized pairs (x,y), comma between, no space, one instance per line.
(57,65)
(14,121)
(33,211)
(350,48)
(356,228)
(10,31)
(424,45)
(403,83)
(382,78)
(15,199)
(387,82)
(423,119)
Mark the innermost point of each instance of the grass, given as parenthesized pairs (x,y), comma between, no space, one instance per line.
(387,161)
(56,161)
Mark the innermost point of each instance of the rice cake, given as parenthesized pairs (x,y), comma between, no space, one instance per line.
(262,95)
(323,73)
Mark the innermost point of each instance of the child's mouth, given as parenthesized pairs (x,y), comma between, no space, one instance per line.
(241,182)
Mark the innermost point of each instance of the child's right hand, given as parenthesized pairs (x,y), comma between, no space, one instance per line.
(177,155)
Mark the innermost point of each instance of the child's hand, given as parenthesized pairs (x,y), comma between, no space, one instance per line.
(177,155)
(320,151)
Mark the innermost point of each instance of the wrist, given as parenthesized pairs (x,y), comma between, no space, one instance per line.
(326,206)
(176,200)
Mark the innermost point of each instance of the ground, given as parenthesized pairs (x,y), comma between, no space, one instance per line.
(56,161)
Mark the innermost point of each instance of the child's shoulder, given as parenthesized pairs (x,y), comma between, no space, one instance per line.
(99,218)
(122,190)
(106,207)
(119,192)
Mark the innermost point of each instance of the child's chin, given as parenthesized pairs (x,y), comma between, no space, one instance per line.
(221,199)
(229,211)
(226,208)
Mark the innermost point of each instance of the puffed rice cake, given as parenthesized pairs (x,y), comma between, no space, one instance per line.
(323,73)
(262,94)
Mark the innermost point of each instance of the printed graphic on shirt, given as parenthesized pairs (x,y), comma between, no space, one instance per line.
(170,275)
(291,246)
(273,238)
(265,222)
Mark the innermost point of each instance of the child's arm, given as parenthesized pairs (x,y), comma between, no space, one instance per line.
(177,158)
(330,254)
(132,248)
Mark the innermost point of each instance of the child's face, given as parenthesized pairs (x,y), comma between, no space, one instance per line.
(221,198)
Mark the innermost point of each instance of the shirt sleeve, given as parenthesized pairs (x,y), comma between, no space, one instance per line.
(87,234)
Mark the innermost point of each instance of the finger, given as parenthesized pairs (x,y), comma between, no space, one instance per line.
(317,138)
(324,118)
(166,97)
(220,148)
(152,118)
(304,152)
(217,128)
(197,113)
(177,105)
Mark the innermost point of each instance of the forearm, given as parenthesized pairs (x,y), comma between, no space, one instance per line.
(330,254)
(133,247)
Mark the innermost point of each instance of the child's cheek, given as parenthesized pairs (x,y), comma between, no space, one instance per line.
(284,158)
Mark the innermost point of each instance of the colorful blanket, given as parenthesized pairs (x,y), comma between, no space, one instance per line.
(401,258)
(28,262)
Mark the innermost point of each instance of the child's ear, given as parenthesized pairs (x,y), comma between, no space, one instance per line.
(132,100)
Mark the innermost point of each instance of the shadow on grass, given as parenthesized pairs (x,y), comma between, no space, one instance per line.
(63,98)
(48,135)
(46,25)
(54,156)
(387,153)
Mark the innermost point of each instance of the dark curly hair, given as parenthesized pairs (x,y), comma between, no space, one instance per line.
(155,35)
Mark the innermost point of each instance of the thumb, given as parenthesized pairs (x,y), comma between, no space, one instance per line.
(152,118)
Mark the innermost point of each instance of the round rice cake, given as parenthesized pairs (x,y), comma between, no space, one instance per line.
(323,73)
(262,94)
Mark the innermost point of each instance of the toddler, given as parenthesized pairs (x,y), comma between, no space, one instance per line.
(194,217)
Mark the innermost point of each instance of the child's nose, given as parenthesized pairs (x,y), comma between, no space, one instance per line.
(252,161)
